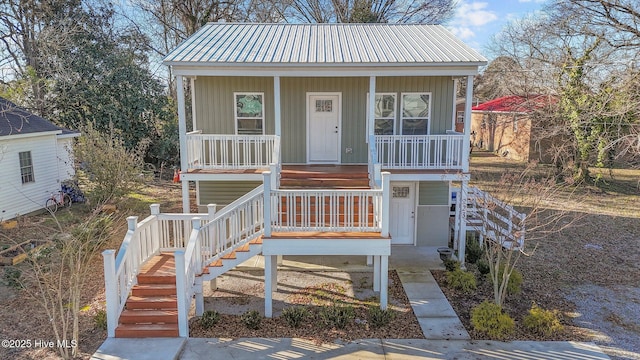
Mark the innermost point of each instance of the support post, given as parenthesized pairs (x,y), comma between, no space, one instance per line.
(376,273)
(384,281)
(111,291)
(267,203)
(462,233)
(211,211)
(369,260)
(386,190)
(192,86)
(466,145)
(268,285)
(199,297)
(186,206)
(372,107)
(276,105)
(455,98)
(182,123)
(181,291)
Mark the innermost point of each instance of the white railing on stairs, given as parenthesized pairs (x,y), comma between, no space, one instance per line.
(495,220)
(142,241)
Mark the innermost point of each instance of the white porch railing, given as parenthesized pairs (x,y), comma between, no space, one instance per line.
(419,151)
(211,151)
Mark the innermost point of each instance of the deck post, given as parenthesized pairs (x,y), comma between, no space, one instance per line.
(132,225)
(182,123)
(376,273)
(466,145)
(462,233)
(267,203)
(386,190)
(155,227)
(186,207)
(384,281)
(181,291)
(211,211)
(111,291)
(269,265)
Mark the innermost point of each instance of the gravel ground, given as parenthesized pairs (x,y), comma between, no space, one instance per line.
(613,316)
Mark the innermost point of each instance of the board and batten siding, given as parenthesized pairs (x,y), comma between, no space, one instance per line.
(215,107)
(223,193)
(17,198)
(433,193)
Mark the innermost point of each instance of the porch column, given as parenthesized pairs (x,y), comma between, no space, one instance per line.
(192,85)
(466,145)
(372,107)
(462,232)
(182,123)
(276,105)
(455,98)
(376,273)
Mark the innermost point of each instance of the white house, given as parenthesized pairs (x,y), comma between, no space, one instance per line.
(35,157)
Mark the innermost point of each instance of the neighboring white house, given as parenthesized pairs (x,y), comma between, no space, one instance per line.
(35,157)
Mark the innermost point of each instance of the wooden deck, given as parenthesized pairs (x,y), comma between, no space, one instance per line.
(311,170)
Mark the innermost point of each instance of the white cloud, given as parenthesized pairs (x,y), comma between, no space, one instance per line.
(533,1)
(474,14)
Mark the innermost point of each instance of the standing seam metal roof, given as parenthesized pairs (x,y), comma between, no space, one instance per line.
(328,44)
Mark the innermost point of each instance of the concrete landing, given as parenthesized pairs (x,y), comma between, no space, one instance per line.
(140,349)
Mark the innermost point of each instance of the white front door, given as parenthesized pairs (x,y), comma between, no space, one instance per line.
(323,131)
(402,209)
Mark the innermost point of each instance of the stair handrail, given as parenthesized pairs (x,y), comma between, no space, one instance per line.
(120,273)
(188,264)
(235,225)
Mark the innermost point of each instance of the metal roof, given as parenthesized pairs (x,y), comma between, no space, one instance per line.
(323,45)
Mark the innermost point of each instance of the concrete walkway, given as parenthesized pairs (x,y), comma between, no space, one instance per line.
(446,337)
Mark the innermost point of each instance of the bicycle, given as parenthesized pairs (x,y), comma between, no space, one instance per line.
(61,199)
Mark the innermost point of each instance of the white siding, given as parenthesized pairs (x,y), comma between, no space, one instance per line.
(17,198)
(65,159)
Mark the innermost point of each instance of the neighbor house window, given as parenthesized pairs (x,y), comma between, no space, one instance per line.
(460,117)
(416,110)
(385,113)
(249,113)
(26,167)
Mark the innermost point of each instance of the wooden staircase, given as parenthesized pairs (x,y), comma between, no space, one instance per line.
(324,177)
(152,308)
(232,259)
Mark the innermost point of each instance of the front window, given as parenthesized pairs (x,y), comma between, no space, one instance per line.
(416,109)
(249,113)
(26,167)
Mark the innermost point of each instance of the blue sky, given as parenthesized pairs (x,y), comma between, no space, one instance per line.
(475,22)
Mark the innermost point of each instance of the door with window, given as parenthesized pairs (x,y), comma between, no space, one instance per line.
(323,130)
(402,213)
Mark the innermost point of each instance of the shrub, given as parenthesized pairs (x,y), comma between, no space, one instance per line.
(251,319)
(12,277)
(541,321)
(473,251)
(451,265)
(515,281)
(295,315)
(336,316)
(483,267)
(209,319)
(488,318)
(379,318)
(100,320)
(461,280)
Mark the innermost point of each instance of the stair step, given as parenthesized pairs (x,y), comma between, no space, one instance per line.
(256,241)
(144,316)
(152,302)
(153,290)
(230,256)
(244,248)
(146,279)
(146,330)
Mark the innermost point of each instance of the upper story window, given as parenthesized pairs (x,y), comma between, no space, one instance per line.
(415,114)
(385,113)
(26,167)
(249,113)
